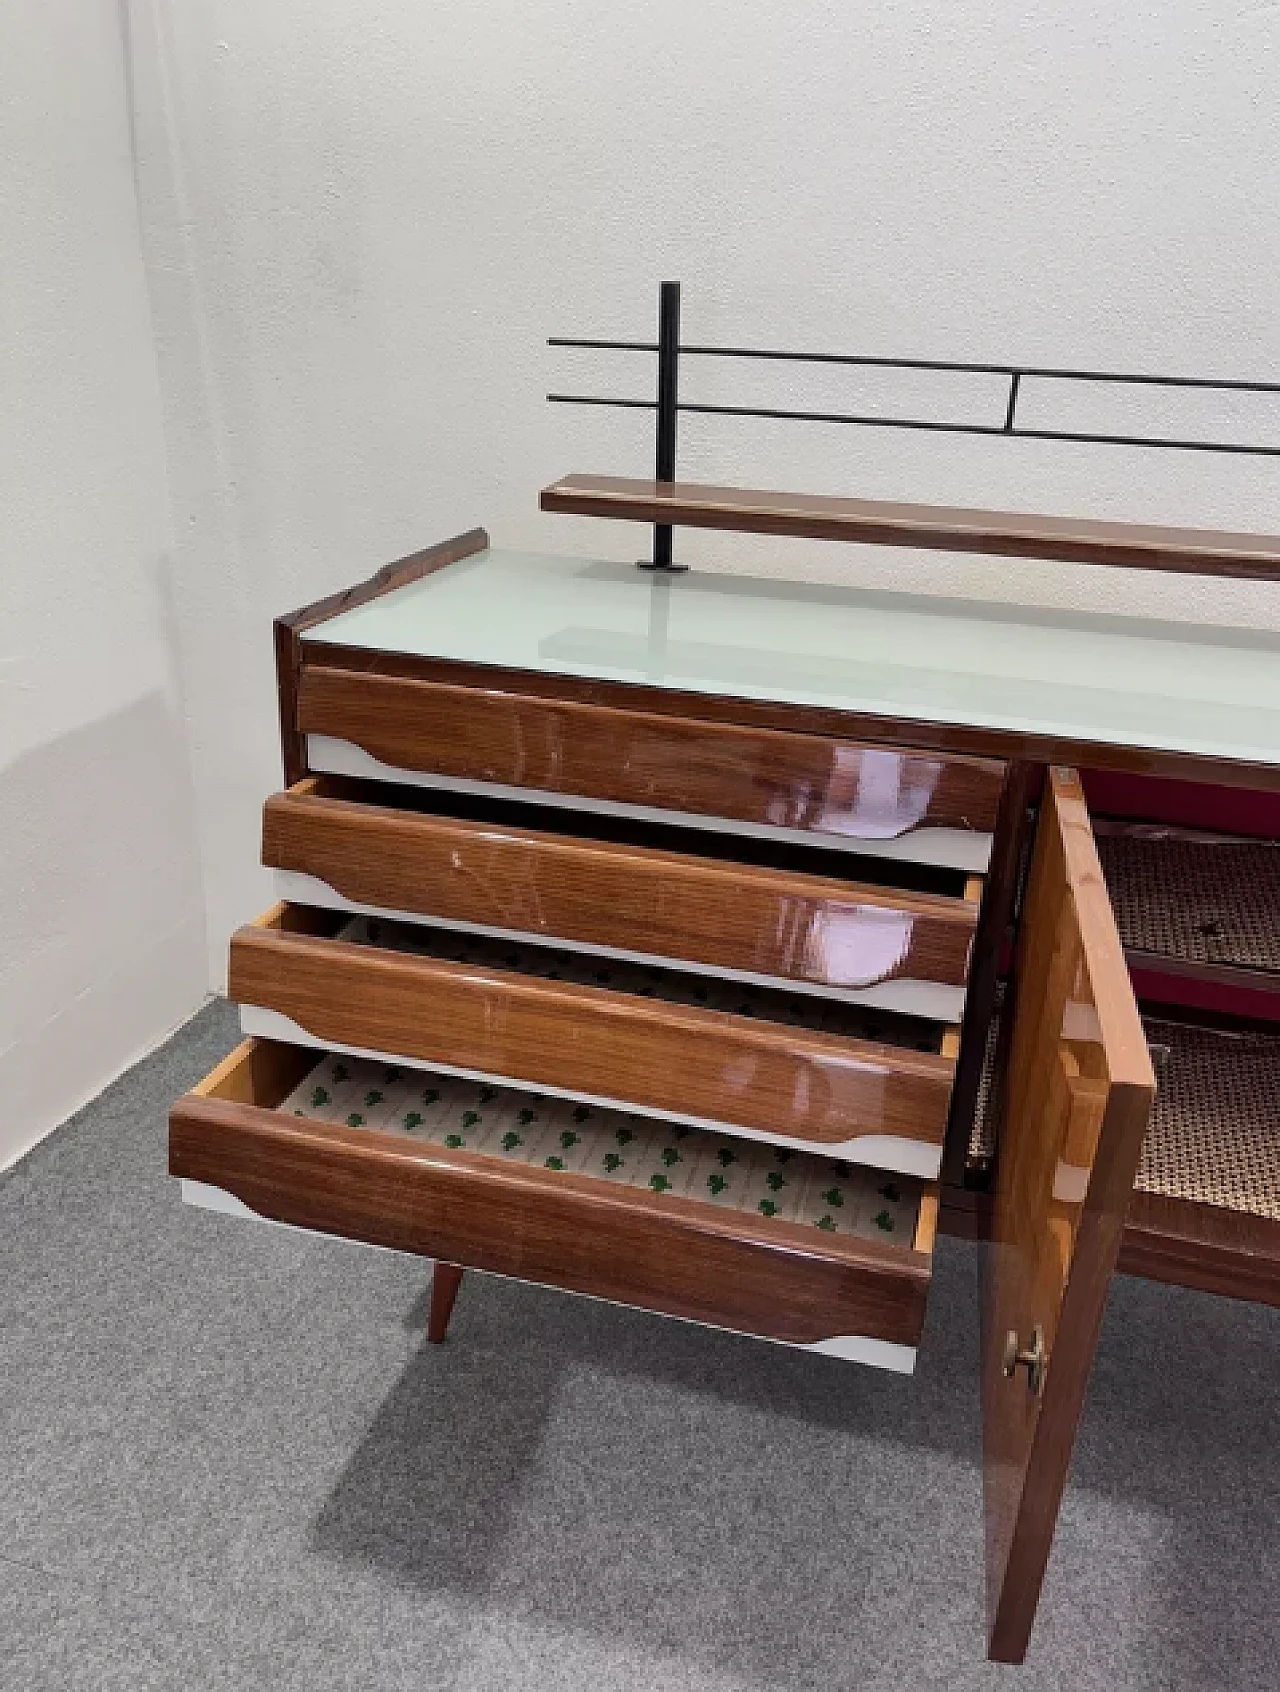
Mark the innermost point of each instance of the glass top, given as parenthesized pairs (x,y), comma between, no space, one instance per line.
(1176,687)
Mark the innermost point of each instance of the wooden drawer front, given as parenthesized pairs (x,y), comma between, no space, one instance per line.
(934,808)
(907,951)
(874,1103)
(678,1256)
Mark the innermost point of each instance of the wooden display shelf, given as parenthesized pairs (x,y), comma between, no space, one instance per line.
(1070,540)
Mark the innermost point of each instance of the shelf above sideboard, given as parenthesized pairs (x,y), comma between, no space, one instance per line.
(944,528)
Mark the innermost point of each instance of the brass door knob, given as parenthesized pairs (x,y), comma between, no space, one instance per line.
(1032,1358)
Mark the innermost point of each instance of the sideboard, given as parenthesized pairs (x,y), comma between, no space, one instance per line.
(707,944)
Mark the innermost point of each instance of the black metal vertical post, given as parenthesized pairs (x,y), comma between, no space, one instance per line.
(668,397)
(1014,379)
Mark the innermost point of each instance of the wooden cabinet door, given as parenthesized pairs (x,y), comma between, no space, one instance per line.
(1078,1092)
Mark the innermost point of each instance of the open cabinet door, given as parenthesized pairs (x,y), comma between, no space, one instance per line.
(1077,1096)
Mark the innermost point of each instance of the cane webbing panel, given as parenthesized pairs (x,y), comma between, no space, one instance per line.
(613,1146)
(1215,1130)
(1214,1136)
(1204,901)
(982,1135)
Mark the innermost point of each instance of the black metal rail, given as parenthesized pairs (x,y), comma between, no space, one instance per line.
(668,405)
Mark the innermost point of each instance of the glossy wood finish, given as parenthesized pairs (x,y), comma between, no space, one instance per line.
(681,1258)
(1079,1093)
(1173,1240)
(1176,1241)
(1204,1246)
(446,1278)
(1008,534)
(652,1055)
(765,778)
(908,734)
(718,913)
(289,628)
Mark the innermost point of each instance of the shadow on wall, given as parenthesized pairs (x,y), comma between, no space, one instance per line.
(103,917)
(628,1485)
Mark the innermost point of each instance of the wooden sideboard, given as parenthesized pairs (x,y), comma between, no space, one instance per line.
(706,945)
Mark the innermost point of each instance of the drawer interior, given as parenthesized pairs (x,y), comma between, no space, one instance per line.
(795,1247)
(624,1148)
(645,981)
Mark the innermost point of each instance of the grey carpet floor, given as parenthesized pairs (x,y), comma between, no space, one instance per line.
(228,1459)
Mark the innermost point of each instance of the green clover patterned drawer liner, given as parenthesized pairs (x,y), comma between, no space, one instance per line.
(550,963)
(610,1145)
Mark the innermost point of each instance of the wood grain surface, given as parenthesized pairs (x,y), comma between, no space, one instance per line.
(1207,1246)
(695,1063)
(1177,1241)
(1009,534)
(288,629)
(682,1258)
(882,728)
(1079,1092)
(764,921)
(724,770)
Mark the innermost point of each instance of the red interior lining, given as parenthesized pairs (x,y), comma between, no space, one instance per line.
(1187,804)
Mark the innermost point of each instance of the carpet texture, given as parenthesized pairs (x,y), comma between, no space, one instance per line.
(229,1460)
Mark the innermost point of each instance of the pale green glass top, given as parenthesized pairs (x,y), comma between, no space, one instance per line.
(1135,682)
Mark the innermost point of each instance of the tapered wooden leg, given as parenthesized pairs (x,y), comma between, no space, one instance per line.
(445,1282)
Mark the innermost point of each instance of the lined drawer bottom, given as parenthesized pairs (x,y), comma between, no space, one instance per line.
(788,1246)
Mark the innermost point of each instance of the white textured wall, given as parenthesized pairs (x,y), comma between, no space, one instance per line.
(364,216)
(103,944)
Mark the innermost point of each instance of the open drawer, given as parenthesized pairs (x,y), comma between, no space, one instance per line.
(874,931)
(788,1247)
(865,1085)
